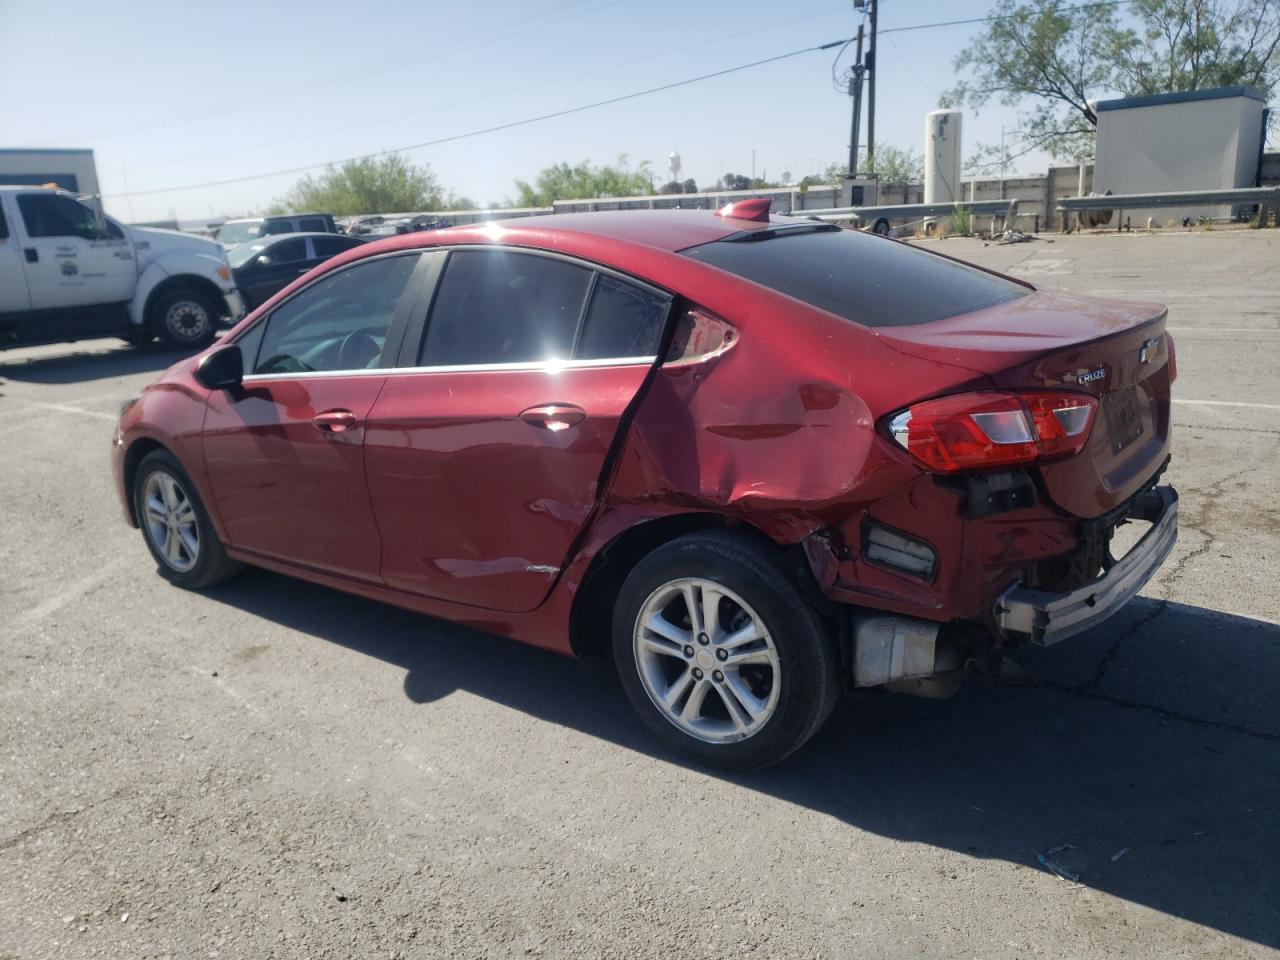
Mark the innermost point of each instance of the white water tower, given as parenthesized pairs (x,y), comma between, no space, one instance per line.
(673,165)
(942,157)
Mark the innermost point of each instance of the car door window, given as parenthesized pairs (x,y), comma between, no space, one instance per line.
(339,322)
(497,306)
(53,215)
(4,227)
(332,246)
(286,251)
(622,321)
(312,225)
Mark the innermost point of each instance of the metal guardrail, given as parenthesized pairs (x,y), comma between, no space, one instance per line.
(1005,208)
(1178,198)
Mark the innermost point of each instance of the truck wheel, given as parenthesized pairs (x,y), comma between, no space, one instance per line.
(720,654)
(184,318)
(881,227)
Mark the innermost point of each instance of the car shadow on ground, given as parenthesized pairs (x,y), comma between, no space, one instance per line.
(1151,747)
(96,360)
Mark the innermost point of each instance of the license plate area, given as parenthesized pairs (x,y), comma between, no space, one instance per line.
(1124,420)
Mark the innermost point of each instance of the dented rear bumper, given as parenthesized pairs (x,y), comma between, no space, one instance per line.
(1044,618)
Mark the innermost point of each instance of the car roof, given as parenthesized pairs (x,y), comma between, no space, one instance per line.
(271,238)
(657,230)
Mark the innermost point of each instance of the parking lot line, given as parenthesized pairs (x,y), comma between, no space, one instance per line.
(1228,403)
(65,408)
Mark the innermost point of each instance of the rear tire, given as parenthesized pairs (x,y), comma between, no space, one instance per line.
(749,677)
(184,318)
(176,526)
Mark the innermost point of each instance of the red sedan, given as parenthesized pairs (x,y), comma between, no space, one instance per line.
(760,459)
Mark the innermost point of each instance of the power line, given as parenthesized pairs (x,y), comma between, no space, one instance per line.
(493,129)
(957,23)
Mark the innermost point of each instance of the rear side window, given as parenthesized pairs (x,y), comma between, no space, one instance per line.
(622,321)
(330,246)
(866,279)
(495,306)
(313,225)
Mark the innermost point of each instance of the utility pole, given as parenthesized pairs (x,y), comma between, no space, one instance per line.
(855,92)
(871,86)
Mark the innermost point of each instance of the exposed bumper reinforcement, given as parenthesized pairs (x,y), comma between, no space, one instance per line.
(1045,618)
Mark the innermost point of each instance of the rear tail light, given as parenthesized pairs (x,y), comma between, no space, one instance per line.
(978,431)
(1173,358)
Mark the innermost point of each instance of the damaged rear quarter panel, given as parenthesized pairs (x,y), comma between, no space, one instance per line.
(778,430)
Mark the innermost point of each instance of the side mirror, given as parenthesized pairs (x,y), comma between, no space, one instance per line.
(222,369)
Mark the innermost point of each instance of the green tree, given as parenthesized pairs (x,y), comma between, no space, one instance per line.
(1054,57)
(895,167)
(584,181)
(1193,44)
(690,185)
(389,184)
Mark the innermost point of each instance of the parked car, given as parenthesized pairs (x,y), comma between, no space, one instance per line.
(264,267)
(760,459)
(69,273)
(235,232)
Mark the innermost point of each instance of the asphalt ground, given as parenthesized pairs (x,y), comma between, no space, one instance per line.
(271,769)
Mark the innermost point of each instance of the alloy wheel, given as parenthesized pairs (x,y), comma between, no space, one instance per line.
(171,523)
(706,660)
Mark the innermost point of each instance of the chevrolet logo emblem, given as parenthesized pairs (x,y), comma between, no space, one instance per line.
(1148,350)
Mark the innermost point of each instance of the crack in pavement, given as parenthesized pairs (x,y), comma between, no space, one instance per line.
(1201,524)
(53,819)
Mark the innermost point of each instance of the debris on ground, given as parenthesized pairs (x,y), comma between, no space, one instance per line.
(1119,853)
(1056,868)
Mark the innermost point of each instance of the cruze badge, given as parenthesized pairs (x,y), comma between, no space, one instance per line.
(1085,376)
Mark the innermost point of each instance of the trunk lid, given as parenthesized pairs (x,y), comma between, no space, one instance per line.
(1116,350)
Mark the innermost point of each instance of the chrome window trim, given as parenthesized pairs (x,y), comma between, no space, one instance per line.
(537,366)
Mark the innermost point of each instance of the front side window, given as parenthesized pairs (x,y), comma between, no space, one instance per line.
(286,251)
(53,215)
(338,323)
(498,306)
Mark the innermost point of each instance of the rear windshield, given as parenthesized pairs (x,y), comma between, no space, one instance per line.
(866,279)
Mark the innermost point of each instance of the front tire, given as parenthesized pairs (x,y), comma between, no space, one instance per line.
(176,526)
(720,653)
(184,318)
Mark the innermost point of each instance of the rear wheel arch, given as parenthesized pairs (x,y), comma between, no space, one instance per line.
(593,603)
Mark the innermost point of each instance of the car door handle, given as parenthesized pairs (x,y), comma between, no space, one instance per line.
(554,416)
(32,255)
(335,421)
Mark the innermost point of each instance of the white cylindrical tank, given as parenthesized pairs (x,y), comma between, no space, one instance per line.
(942,157)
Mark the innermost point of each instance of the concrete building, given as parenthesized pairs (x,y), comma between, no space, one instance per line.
(1197,140)
(72,170)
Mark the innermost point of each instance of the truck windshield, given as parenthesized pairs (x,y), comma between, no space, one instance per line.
(240,231)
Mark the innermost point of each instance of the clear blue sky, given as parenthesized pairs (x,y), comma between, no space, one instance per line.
(172,93)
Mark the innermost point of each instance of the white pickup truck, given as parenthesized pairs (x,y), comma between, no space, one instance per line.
(67,273)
